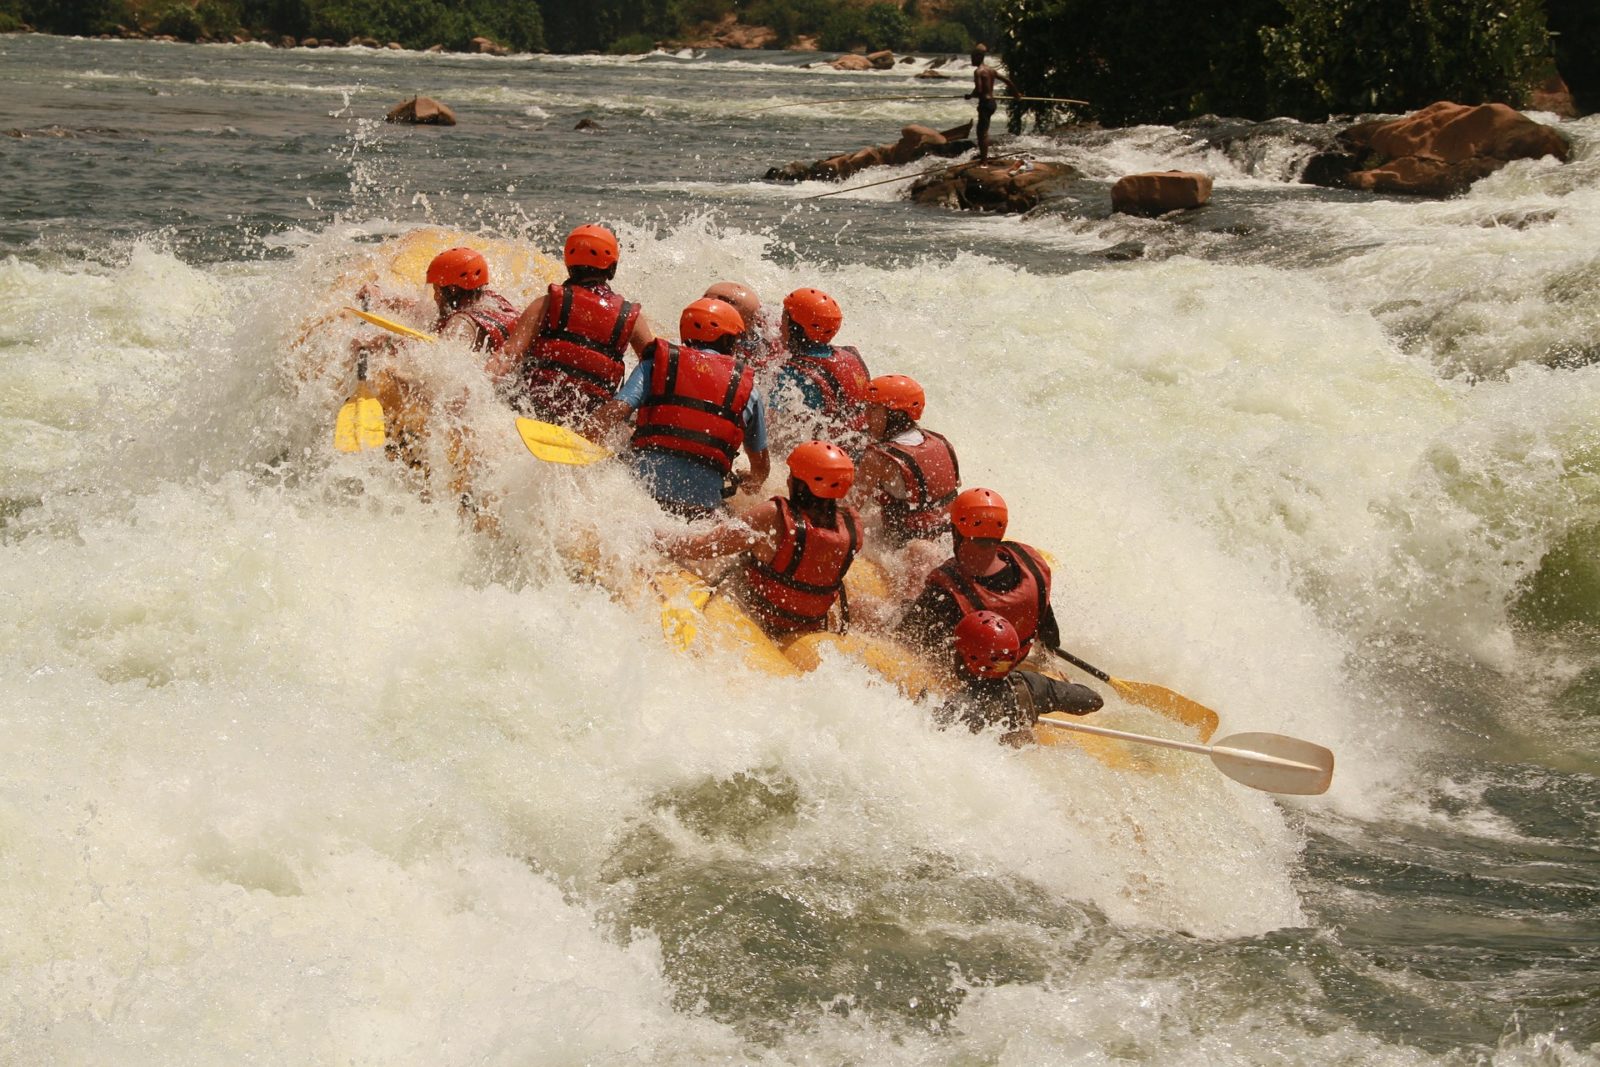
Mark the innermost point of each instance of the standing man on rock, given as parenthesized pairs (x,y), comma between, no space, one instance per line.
(983,78)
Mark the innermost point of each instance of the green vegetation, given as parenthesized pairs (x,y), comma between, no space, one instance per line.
(1161,60)
(1140,61)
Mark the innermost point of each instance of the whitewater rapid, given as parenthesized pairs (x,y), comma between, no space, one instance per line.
(301,767)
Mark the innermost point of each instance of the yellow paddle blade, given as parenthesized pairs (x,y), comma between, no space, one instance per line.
(557,444)
(359,425)
(391,325)
(1173,705)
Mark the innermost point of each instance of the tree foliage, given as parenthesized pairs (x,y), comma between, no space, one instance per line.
(1155,61)
(1383,55)
(1161,60)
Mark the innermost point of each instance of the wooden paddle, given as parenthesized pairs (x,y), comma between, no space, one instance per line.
(1272,763)
(557,444)
(1158,698)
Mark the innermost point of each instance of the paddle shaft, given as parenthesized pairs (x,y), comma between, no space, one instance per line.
(1082,666)
(1184,746)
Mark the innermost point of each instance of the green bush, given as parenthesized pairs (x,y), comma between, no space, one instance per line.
(1384,55)
(944,37)
(886,27)
(632,45)
(790,19)
(178,19)
(83,17)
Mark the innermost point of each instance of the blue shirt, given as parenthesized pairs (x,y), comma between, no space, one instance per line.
(676,477)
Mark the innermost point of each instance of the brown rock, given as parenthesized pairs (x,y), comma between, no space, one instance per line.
(287,41)
(1158,192)
(803,43)
(883,60)
(422,111)
(433,49)
(485,47)
(1445,147)
(931,74)
(589,125)
(396,46)
(1552,95)
(851,62)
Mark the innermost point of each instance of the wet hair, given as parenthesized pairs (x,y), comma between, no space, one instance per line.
(896,423)
(724,344)
(578,275)
(815,508)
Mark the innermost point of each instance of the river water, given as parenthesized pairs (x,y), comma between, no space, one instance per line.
(299,768)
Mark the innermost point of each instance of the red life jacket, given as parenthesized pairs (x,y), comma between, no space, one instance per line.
(793,593)
(694,405)
(575,360)
(1023,606)
(841,376)
(492,317)
(932,478)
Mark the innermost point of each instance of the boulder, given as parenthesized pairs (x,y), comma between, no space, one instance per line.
(287,41)
(931,74)
(1552,95)
(396,46)
(1438,151)
(422,111)
(883,60)
(433,49)
(998,186)
(485,47)
(851,62)
(1158,192)
(803,43)
(309,42)
(588,125)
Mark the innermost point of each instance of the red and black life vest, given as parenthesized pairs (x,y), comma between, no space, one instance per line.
(1023,606)
(694,404)
(932,478)
(492,317)
(793,593)
(578,350)
(841,377)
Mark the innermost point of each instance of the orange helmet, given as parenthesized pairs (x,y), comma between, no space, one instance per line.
(824,468)
(591,246)
(979,513)
(987,644)
(897,393)
(464,268)
(709,320)
(815,312)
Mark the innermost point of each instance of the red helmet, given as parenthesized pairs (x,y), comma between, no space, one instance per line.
(463,268)
(897,393)
(987,644)
(979,513)
(709,320)
(591,246)
(824,468)
(815,312)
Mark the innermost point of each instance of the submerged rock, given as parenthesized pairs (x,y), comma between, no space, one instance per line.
(915,142)
(1008,186)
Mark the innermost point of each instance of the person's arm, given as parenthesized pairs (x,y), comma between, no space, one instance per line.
(1049,629)
(755,445)
(641,336)
(874,472)
(760,467)
(510,355)
(629,397)
(458,328)
(754,533)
